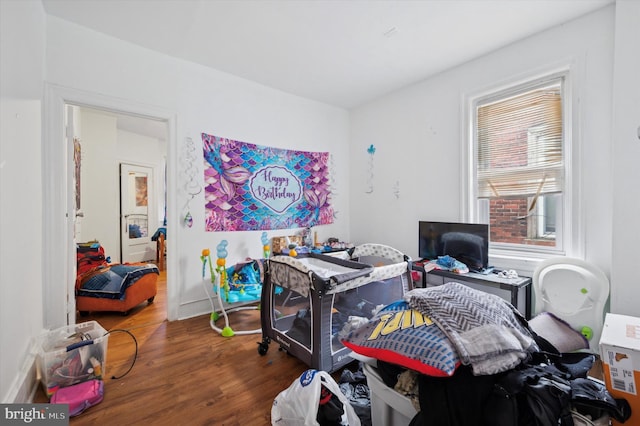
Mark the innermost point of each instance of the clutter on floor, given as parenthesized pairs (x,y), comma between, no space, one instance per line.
(80,396)
(71,363)
(507,374)
(72,354)
(353,385)
(313,398)
(451,354)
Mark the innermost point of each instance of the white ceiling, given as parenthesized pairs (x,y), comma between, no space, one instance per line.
(340,52)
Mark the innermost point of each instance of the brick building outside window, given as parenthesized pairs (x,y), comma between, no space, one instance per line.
(519,164)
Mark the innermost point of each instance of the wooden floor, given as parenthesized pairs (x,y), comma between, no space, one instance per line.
(185,372)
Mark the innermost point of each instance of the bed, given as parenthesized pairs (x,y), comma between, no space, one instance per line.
(112,287)
(310,302)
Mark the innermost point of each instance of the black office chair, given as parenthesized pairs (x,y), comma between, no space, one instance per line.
(467,248)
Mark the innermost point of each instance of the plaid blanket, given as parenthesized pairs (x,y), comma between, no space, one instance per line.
(112,281)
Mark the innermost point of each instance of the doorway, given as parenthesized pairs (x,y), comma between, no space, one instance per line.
(119,168)
(119,181)
(59,201)
(136,223)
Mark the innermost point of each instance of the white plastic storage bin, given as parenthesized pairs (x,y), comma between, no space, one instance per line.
(71,354)
(388,407)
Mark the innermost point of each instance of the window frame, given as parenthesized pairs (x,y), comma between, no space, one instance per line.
(568,242)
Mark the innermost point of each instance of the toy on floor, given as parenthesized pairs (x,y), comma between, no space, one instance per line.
(240,284)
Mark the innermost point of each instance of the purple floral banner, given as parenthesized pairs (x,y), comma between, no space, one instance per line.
(251,187)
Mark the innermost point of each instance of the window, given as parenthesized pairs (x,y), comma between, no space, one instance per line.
(518,167)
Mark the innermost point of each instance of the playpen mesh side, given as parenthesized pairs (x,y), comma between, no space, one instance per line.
(388,262)
(308,321)
(296,275)
(379,250)
(380,273)
(291,274)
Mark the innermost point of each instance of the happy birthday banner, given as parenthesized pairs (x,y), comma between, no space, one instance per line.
(252,187)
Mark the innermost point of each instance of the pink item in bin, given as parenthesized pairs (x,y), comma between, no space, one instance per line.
(80,396)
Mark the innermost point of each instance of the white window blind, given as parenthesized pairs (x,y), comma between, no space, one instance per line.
(520,144)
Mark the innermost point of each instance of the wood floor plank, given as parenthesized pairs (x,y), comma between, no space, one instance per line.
(185,372)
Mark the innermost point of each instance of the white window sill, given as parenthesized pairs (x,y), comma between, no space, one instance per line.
(524,263)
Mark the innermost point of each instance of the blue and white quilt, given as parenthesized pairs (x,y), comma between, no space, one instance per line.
(112,281)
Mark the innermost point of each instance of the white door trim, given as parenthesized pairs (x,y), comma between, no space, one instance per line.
(58,250)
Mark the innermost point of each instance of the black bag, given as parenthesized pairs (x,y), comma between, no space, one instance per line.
(541,395)
(549,400)
(592,398)
(531,396)
(330,409)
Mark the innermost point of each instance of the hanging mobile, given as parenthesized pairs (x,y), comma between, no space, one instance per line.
(371,150)
(193,187)
(188,219)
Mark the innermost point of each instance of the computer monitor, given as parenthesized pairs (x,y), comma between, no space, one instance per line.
(466,242)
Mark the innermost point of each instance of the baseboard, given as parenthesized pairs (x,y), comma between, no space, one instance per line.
(194,309)
(197,308)
(25,384)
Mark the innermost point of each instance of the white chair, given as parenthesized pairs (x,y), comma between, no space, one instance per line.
(576,292)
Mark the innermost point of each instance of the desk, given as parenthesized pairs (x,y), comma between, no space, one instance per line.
(516,291)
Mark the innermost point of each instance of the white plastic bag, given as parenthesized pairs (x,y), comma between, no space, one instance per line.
(298,404)
(585,420)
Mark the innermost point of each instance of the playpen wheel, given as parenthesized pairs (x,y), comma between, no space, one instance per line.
(150,300)
(263,348)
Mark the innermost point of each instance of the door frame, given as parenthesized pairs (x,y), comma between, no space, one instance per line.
(58,249)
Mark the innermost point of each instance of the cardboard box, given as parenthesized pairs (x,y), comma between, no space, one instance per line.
(279,245)
(620,352)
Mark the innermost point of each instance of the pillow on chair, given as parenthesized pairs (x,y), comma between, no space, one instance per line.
(558,332)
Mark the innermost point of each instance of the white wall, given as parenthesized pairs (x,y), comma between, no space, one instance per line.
(226,106)
(99,181)
(203,101)
(625,281)
(21,73)
(418,134)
